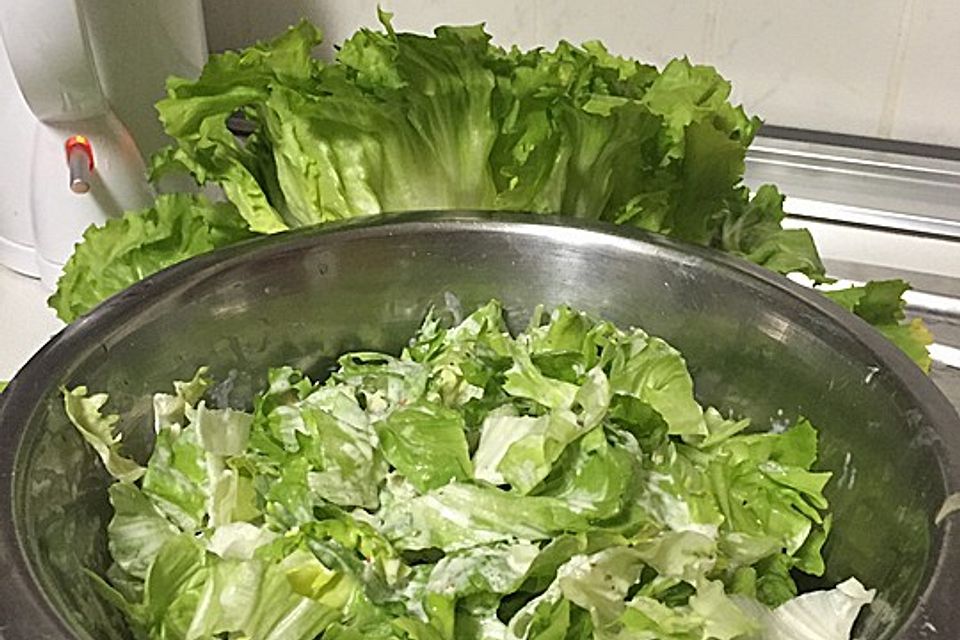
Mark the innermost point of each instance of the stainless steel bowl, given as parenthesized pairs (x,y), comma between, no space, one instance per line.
(757,345)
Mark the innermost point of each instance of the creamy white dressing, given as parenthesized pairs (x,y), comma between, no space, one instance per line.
(497,434)
(671,510)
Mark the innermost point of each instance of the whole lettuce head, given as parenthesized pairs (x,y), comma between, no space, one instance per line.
(403,121)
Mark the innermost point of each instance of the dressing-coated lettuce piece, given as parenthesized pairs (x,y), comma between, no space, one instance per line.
(100,432)
(426,443)
(459,516)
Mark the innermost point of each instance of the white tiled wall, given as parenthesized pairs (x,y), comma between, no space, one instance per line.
(819,64)
(928,98)
(888,68)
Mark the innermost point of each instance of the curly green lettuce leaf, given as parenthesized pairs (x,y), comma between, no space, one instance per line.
(176,478)
(189,476)
(682,555)
(296,598)
(650,370)
(100,432)
(521,450)
(546,617)
(125,250)
(321,447)
(599,583)
(817,615)
(763,487)
(649,619)
(459,516)
(752,229)
(223,432)
(592,477)
(881,304)
(188,593)
(382,382)
(170,410)
(499,569)
(707,614)
(391,96)
(137,531)
(525,380)
(426,443)
(195,115)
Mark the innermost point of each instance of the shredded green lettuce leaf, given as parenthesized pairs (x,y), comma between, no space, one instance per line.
(559,483)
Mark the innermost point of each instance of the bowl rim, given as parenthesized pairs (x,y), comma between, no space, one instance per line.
(21,594)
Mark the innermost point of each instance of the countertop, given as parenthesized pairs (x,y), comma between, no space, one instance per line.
(26,320)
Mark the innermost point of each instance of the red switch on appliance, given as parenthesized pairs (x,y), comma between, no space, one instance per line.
(80,163)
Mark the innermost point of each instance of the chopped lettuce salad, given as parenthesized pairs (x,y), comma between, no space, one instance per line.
(559,484)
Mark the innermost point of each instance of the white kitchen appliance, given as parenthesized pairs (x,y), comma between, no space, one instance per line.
(78,81)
